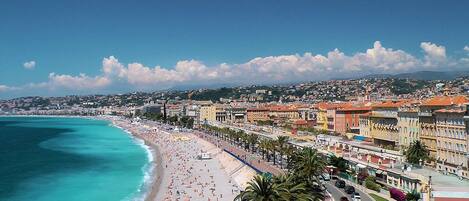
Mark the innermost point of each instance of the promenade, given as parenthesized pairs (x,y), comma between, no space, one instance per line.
(249,158)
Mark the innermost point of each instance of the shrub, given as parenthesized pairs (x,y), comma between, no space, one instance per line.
(397,194)
(370,183)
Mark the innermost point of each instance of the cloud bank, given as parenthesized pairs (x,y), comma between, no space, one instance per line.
(260,70)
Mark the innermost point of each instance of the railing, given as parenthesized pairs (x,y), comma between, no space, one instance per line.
(425,114)
(391,114)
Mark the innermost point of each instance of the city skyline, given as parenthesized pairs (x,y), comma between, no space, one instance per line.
(57,48)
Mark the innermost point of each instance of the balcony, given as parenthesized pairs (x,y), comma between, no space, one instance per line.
(384,114)
(425,114)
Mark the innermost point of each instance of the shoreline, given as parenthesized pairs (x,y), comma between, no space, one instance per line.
(151,188)
(182,176)
(156,174)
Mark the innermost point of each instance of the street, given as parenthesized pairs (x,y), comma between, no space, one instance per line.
(338,193)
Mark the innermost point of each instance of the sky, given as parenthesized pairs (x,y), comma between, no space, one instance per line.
(54,48)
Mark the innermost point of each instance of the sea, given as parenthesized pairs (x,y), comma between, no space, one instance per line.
(70,159)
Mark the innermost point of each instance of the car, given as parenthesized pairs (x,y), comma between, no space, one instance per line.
(326,177)
(344,199)
(349,189)
(340,183)
(334,177)
(356,197)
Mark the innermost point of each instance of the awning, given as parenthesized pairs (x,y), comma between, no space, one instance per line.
(379,172)
(361,166)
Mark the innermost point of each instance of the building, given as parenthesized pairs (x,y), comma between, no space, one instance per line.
(282,113)
(321,120)
(347,119)
(408,124)
(236,114)
(452,141)
(207,113)
(151,109)
(383,123)
(364,125)
(257,114)
(220,113)
(427,119)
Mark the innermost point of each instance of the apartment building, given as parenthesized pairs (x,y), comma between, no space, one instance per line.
(364,125)
(347,119)
(428,132)
(408,123)
(257,114)
(208,113)
(321,121)
(452,141)
(383,123)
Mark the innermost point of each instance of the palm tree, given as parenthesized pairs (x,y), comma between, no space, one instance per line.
(264,146)
(308,164)
(338,162)
(413,195)
(278,188)
(291,189)
(417,152)
(281,142)
(261,188)
(273,148)
(253,140)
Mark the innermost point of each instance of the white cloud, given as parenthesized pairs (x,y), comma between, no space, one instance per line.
(308,66)
(4,88)
(270,69)
(466,48)
(434,54)
(29,65)
(81,82)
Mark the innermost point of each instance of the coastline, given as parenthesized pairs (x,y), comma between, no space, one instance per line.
(151,188)
(156,174)
(151,185)
(182,176)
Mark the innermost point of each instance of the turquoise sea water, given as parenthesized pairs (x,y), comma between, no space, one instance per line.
(73,159)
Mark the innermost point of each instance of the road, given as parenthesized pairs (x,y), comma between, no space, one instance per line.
(338,193)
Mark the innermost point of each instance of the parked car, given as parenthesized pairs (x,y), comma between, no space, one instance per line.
(344,199)
(334,177)
(340,183)
(356,197)
(326,177)
(349,189)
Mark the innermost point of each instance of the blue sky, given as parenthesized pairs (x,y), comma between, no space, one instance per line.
(46,45)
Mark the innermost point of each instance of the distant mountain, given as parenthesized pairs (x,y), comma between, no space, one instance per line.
(422,75)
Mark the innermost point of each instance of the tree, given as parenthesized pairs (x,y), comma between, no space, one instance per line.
(417,152)
(338,162)
(307,166)
(370,183)
(260,188)
(281,143)
(264,146)
(277,188)
(397,194)
(413,195)
(253,140)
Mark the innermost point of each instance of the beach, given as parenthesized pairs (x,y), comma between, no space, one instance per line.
(178,173)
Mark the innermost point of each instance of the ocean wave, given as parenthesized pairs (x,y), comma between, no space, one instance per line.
(147,169)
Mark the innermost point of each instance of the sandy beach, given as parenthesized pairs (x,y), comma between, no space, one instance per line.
(179,174)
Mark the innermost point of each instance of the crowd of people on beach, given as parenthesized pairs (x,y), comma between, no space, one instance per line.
(185,177)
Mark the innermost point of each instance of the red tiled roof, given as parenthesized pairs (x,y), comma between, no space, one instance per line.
(390,104)
(354,108)
(445,101)
(450,111)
